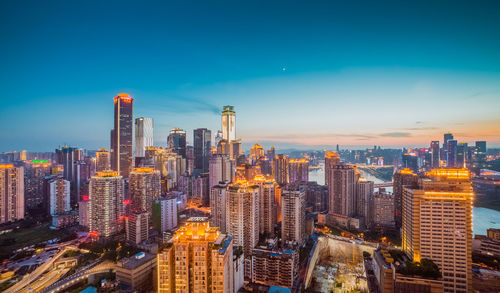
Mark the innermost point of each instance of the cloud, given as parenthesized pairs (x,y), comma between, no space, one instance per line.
(184,104)
(396,134)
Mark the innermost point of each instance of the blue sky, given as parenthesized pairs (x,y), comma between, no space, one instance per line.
(300,73)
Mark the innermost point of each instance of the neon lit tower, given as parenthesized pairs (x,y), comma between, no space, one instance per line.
(228,123)
(122,136)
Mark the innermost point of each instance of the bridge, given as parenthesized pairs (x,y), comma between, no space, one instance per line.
(82,274)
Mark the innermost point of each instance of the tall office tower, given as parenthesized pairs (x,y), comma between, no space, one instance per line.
(402,178)
(268,188)
(383,210)
(198,259)
(242,216)
(331,160)
(221,168)
(137,227)
(201,190)
(437,225)
(177,141)
(228,123)
(34,176)
(122,135)
(223,148)
(102,161)
(106,203)
(69,157)
(256,152)
(299,170)
(293,217)
(435,154)
(410,161)
(281,169)
(218,201)
(143,135)
(59,195)
(364,194)
(235,149)
(165,214)
(11,193)
(342,190)
(447,137)
(144,188)
(451,154)
(202,149)
(462,150)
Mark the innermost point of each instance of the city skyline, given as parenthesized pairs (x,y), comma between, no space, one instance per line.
(351,75)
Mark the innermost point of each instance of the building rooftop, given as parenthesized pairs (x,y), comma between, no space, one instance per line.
(136,260)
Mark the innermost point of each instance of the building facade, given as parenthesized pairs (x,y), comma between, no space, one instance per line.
(122,135)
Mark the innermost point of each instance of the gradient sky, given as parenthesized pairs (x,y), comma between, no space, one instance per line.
(313,73)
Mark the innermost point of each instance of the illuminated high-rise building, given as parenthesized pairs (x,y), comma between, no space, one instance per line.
(177,141)
(281,169)
(221,168)
(256,152)
(137,227)
(122,135)
(202,149)
(269,191)
(70,158)
(331,160)
(243,217)
(383,210)
(198,259)
(102,160)
(144,186)
(342,190)
(235,149)
(410,161)
(402,178)
(34,176)
(59,195)
(447,137)
(293,217)
(11,193)
(228,123)
(437,225)
(106,204)
(435,158)
(462,151)
(165,214)
(299,170)
(143,135)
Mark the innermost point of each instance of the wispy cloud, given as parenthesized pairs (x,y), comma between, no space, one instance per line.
(184,104)
(396,134)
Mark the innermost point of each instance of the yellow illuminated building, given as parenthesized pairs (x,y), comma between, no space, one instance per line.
(331,159)
(102,161)
(199,258)
(256,152)
(437,225)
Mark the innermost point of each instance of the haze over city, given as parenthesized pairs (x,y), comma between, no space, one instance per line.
(301,75)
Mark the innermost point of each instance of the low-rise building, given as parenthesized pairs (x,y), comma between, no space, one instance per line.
(275,267)
(137,272)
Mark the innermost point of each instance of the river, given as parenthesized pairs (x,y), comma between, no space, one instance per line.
(482,218)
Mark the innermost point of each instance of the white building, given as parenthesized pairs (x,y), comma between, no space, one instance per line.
(165,214)
(143,135)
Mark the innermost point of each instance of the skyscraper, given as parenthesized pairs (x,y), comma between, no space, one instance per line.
(293,217)
(218,202)
(202,149)
(269,190)
(165,214)
(34,177)
(342,191)
(121,135)
(364,194)
(402,178)
(481,146)
(137,227)
(177,141)
(102,161)
(11,193)
(199,258)
(256,152)
(243,217)
(59,195)
(228,123)
(143,135)
(451,154)
(144,186)
(299,170)
(69,158)
(106,204)
(437,225)
(331,159)
(435,154)
(221,168)
(462,151)
(281,169)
